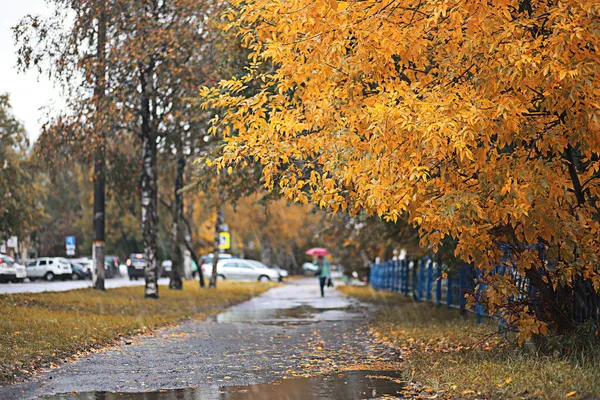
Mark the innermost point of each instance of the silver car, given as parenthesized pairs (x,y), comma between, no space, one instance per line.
(242,270)
(282,272)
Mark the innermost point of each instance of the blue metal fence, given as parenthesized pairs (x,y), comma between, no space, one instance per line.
(424,280)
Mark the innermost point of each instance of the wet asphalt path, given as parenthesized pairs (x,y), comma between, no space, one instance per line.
(286,331)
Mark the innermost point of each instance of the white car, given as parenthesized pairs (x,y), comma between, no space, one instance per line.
(282,272)
(309,268)
(10,270)
(21,272)
(49,268)
(84,261)
(236,269)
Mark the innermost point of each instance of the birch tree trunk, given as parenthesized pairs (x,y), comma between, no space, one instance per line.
(99,188)
(149,190)
(177,229)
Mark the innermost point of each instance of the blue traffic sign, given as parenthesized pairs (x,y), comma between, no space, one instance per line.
(70,241)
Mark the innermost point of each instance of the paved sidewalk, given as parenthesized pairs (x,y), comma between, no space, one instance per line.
(287,331)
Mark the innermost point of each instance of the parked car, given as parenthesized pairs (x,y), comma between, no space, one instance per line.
(80,271)
(165,269)
(49,268)
(208,258)
(21,272)
(85,262)
(135,266)
(10,270)
(110,268)
(309,268)
(282,272)
(241,270)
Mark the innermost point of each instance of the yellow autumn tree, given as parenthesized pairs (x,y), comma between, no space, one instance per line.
(477,118)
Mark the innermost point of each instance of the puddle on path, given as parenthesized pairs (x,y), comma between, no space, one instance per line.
(299,315)
(346,385)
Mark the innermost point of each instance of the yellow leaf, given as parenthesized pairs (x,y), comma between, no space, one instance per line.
(571,394)
(562,74)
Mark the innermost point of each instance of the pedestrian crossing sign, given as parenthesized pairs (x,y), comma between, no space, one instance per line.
(224,240)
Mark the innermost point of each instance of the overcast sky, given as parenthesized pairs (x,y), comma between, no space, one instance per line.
(28,92)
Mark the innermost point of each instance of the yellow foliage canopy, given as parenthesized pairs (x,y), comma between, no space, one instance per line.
(478,118)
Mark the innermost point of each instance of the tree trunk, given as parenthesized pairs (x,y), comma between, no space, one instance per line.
(281,261)
(149,194)
(266,252)
(177,232)
(218,225)
(294,266)
(190,248)
(99,189)
(550,309)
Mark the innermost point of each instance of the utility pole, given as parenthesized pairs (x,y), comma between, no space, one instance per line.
(99,162)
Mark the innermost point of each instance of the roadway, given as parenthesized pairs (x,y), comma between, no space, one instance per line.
(61,286)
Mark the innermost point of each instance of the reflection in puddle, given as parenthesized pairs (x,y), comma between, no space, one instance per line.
(300,315)
(346,385)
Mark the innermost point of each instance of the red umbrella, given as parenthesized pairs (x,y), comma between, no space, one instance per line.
(317,251)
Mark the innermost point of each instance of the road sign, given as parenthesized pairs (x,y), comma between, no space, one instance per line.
(12,242)
(224,240)
(70,252)
(70,242)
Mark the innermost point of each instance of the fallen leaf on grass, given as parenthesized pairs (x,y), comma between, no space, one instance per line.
(571,394)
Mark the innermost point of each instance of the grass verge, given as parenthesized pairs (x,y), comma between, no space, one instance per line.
(43,329)
(454,357)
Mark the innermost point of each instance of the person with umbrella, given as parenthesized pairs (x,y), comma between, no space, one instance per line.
(324,271)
